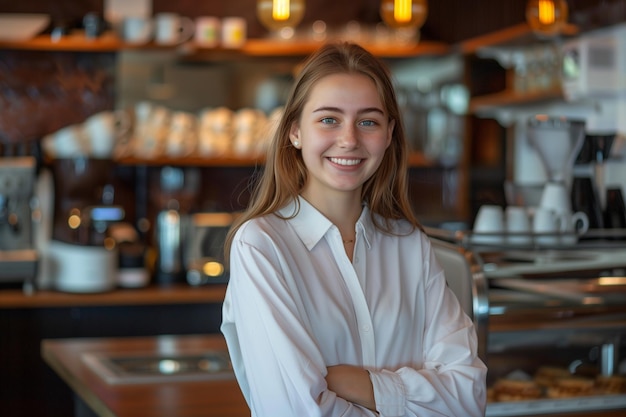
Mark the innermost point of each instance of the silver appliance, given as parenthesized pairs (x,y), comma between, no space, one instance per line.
(204,248)
(18,257)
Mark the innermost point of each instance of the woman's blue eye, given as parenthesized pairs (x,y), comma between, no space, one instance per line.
(368,123)
(328,120)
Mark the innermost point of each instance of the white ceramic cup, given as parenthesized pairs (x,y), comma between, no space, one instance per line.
(172,29)
(556,197)
(151,129)
(137,30)
(103,131)
(207,31)
(233,32)
(69,142)
(518,226)
(573,225)
(489,225)
(181,138)
(546,226)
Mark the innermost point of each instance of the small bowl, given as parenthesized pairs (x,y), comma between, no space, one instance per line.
(15,27)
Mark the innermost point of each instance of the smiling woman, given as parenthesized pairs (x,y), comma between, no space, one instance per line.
(336,302)
(342,134)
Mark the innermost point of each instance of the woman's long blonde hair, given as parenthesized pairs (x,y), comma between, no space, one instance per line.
(285,174)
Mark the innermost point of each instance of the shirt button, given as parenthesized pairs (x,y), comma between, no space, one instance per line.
(366,328)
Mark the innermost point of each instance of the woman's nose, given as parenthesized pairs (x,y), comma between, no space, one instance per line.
(348,138)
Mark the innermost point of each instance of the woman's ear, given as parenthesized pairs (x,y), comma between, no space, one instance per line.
(392,125)
(294,136)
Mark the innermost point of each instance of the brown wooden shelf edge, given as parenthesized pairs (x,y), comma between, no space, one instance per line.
(416,159)
(488,102)
(151,295)
(519,34)
(258,47)
(224,161)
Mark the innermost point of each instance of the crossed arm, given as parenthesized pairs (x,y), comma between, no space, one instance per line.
(351,383)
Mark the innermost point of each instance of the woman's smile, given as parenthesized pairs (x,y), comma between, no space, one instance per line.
(348,162)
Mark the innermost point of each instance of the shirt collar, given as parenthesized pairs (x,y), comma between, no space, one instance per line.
(310,225)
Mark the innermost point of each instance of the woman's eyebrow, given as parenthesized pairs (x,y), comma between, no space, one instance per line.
(338,110)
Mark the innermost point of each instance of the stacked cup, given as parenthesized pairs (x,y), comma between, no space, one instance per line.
(496,226)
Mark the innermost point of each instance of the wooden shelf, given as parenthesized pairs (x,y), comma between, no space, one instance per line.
(490,102)
(264,47)
(416,159)
(151,295)
(69,43)
(225,161)
(513,36)
(109,42)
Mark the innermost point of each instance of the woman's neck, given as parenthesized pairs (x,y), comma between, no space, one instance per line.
(342,209)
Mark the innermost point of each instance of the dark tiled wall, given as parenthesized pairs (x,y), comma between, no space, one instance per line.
(41,92)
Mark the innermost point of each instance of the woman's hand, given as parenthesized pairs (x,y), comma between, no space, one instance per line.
(352,384)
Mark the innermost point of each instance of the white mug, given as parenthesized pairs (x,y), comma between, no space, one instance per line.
(207,31)
(181,138)
(137,29)
(489,225)
(518,226)
(215,131)
(103,130)
(68,142)
(556,197)
(233,32)
(573,225)
(151,129)
(172,29)
(546,226)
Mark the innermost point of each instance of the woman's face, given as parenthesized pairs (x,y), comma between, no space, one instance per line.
(343,133)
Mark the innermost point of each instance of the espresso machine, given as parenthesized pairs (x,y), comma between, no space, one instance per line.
(594,92)
(81,257)
(18,257)
(593,72)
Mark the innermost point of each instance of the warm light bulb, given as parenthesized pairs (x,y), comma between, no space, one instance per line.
(402,11)
(279,14)
(399,14)
(546,12)
(280,10)
(547,17)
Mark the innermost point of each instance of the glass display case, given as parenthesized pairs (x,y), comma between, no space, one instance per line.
(552,323)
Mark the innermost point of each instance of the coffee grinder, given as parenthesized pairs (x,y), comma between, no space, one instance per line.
(81,256)
(18,257)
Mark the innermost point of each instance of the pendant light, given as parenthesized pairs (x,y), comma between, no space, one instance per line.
(547,17)
(401,14)
(280,16)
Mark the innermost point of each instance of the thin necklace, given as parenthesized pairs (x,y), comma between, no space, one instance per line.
(345,242)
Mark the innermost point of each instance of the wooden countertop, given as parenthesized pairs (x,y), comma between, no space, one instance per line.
(153,294)
(182,399)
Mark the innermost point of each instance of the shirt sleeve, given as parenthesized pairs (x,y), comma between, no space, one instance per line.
(277,363)
(451,381)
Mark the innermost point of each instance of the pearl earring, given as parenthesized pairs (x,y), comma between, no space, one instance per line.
(296,143)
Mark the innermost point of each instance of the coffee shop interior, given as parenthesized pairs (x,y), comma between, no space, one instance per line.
(131,132)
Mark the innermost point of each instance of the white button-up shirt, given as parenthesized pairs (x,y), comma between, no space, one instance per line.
(295,305)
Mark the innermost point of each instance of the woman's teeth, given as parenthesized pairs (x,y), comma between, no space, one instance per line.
(343,161)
